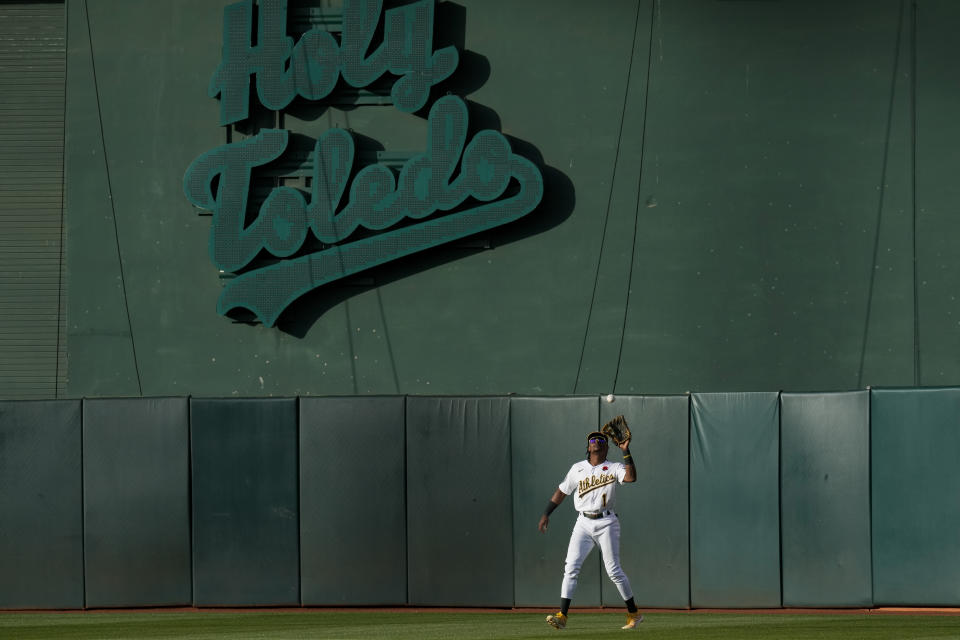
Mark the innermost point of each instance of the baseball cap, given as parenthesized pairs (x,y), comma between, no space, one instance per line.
(596,434)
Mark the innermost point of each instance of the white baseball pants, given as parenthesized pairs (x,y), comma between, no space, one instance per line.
(587,533)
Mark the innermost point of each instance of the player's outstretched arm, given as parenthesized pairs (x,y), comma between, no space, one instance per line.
(631,471)
(555,501)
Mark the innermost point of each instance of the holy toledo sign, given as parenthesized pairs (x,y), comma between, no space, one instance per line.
(453,189)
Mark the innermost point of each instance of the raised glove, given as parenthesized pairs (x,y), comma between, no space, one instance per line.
(617,430)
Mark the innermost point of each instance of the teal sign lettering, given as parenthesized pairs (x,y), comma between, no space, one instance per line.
(451,174)
(311,67)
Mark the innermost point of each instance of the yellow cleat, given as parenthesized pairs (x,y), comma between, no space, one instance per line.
(633,620)
(557,620)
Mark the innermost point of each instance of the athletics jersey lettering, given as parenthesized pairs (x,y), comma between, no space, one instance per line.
(583,480)
(593,482)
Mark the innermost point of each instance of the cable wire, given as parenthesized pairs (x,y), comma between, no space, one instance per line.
(606,217)
(113,208)
(636,218)
(883,192)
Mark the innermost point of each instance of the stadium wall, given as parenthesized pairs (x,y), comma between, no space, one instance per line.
(737,196)
(843,499)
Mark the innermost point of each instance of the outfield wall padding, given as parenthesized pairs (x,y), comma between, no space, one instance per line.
(353,540)
(734,500)
(459,538)
(915,453)
(654,548)
(548,436)
(795,499)
(41,519)
(245,502)
(136,485)
(825,499)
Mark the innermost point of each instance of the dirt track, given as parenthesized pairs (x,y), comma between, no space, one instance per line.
(936,611)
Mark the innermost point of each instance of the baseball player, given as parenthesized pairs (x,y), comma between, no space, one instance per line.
(593,483)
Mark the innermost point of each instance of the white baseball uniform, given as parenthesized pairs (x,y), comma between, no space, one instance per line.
(594,490)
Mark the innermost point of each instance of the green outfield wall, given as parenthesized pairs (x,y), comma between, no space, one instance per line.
(459,514)
(825,499)
(41,505)
(244,502)
(136,502)
(915,483)
(721,196)
(656,510)
(365,486)
(311,302)
(838,499)
(734,499)
(547,438)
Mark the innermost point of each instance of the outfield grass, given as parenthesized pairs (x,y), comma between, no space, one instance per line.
(435,626)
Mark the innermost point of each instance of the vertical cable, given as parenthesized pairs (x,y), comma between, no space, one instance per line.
(386,337)
(883,193)
(353,350)
(626,304)
(616,159)
(636,217)
(113,208)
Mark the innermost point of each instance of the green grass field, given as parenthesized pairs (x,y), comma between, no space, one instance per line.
(436,625)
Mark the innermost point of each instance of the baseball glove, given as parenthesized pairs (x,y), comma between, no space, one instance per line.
(617,430)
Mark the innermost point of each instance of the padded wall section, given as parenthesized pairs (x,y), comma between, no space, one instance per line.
(915,447)
(734,500)
(41,546)
(136,500)
(459,542)
(825,499)
(353,542)
(548,436)
(654,539)
(245,525)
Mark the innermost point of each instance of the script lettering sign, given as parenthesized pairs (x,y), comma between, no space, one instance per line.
(311,67)
(399,210)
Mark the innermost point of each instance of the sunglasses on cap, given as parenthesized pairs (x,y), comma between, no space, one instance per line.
(597,441)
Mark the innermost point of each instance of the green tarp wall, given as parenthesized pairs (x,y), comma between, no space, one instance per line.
(844,499)
(825,499)
(245,504)
(136,488)
(459,514)
(548,436)
(41,519)
(798,155)
(353,535)
(734,500)
(654,545)
(915,453)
